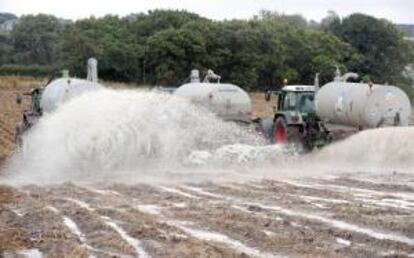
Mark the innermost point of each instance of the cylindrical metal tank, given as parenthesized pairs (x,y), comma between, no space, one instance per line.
(228,101)
(61,90)
(362,105)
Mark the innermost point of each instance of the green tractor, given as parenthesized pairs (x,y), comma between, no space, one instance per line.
(295,121)
(30,116)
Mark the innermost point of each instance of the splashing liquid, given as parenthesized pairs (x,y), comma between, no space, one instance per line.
(130,136)
(109,132)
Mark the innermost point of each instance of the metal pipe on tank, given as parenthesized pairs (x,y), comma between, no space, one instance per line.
(348,76)
(211,76)
(92,70)
(316,82)
(345,77)
(195,75)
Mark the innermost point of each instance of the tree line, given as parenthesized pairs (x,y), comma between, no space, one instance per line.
(161,47)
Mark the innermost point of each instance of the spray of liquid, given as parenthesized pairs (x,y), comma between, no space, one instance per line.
(132,136)
(381,149)
(114,134)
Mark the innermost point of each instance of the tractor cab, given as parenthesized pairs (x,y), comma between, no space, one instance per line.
(297,98)
(295,103)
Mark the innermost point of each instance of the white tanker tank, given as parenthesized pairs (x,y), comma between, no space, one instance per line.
(228,101)
(362,105)
(63,89)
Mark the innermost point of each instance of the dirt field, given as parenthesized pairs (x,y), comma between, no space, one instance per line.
(10,111)
(318,218)
(347,216)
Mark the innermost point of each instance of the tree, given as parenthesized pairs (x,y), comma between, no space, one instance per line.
(162,46)
(331,21)
(172,53)
(6,49)
(381,47)
(143,26)
(275,17)
(7,16)
(35,39)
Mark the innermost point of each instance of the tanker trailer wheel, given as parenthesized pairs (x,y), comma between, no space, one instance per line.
(284,134)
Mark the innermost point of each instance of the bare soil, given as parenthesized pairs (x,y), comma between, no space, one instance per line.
(340,217)
(10,111)
(335,217)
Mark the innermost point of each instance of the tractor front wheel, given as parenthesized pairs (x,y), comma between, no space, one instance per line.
(280,134)
(284,134)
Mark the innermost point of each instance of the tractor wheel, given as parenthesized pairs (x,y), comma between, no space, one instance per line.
(280,134)
(284,134)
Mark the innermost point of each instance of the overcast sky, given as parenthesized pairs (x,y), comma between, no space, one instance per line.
(399,11)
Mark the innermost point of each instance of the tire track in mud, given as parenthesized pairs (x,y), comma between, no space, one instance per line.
(159,238)
(274,233)
(189,229)
(101,235)
(219,216)
(188,192)
(41,229)
(349,203)
(391,209)
(257,218)
(194,230)
(372,235)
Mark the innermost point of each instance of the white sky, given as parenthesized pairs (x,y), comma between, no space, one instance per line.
(398,11)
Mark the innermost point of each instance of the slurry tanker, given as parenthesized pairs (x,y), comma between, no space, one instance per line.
(308,116)
(228,101)
(312,116)
(58,91)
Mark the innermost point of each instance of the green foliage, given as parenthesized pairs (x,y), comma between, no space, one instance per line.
(35,38)
(382,53)
(179,49)
(161,47)
(6,50)
(275,17)
(7,16)
(143,26)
